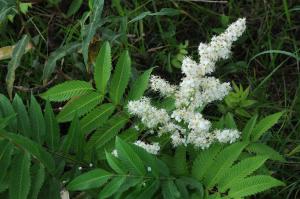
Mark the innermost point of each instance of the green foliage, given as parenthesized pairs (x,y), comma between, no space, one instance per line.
(14,63)
(67,90)
(238,102)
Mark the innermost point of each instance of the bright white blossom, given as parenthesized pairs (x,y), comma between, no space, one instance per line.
(162,86)
(186,125)
(150,148)
(227,135)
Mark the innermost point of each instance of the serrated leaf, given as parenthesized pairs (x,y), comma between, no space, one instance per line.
(7,110)
(103,68)
(14,63)
(120,78)
(139,86)
(24,126)
(20,177)
(89,180)
(265,124)
(59,53)
(96,118)
(263,149)
(37,121)
(52,128)
(130,158)
(112,187)
(222,162)
(30,147)
(252,185)
(38,178)
(80,106)
(108,131)
(247,131)
(204,161)
(90,30)
(67,90)
(74,139)
(6,149)
(240,170)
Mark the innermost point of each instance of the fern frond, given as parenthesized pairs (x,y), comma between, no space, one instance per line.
(240,170)
(252,185)
(67,90)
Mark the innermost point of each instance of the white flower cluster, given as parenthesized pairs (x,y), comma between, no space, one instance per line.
(185,124)
(150,148)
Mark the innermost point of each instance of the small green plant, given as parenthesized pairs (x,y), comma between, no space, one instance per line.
(238,102)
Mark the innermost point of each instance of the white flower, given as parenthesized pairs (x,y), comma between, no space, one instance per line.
(160,85)
(149,115)
(185,124)
(150,148)
(115,153)
(227,135)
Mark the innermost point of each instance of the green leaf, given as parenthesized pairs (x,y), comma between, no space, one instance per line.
(130,182)
(204,161)
(6,149)
(38,178)
(263,149)
(96,118)
(90,30)
(130,158)
(180,161)
(52,128)
(103,68)
(14,63)
(80,106)
(162,12)
(222,162)
(229,121)
(58,54)
(74,139)
(108,131)
(67,90)
(149,190)
(24,7)
(139,86)
(169,190)
(7,110)
(30,147)
(114,163)
(120,78)
(20,177)
(240,170)
(252,185)
(112,187)
(74,7)
(24,126)
(37,121)
(265,124)
(4,122)
(89,180)
(247,131)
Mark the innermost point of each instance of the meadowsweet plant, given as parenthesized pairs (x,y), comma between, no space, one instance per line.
(185,124)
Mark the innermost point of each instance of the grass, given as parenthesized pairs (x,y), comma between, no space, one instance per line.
(266,58)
